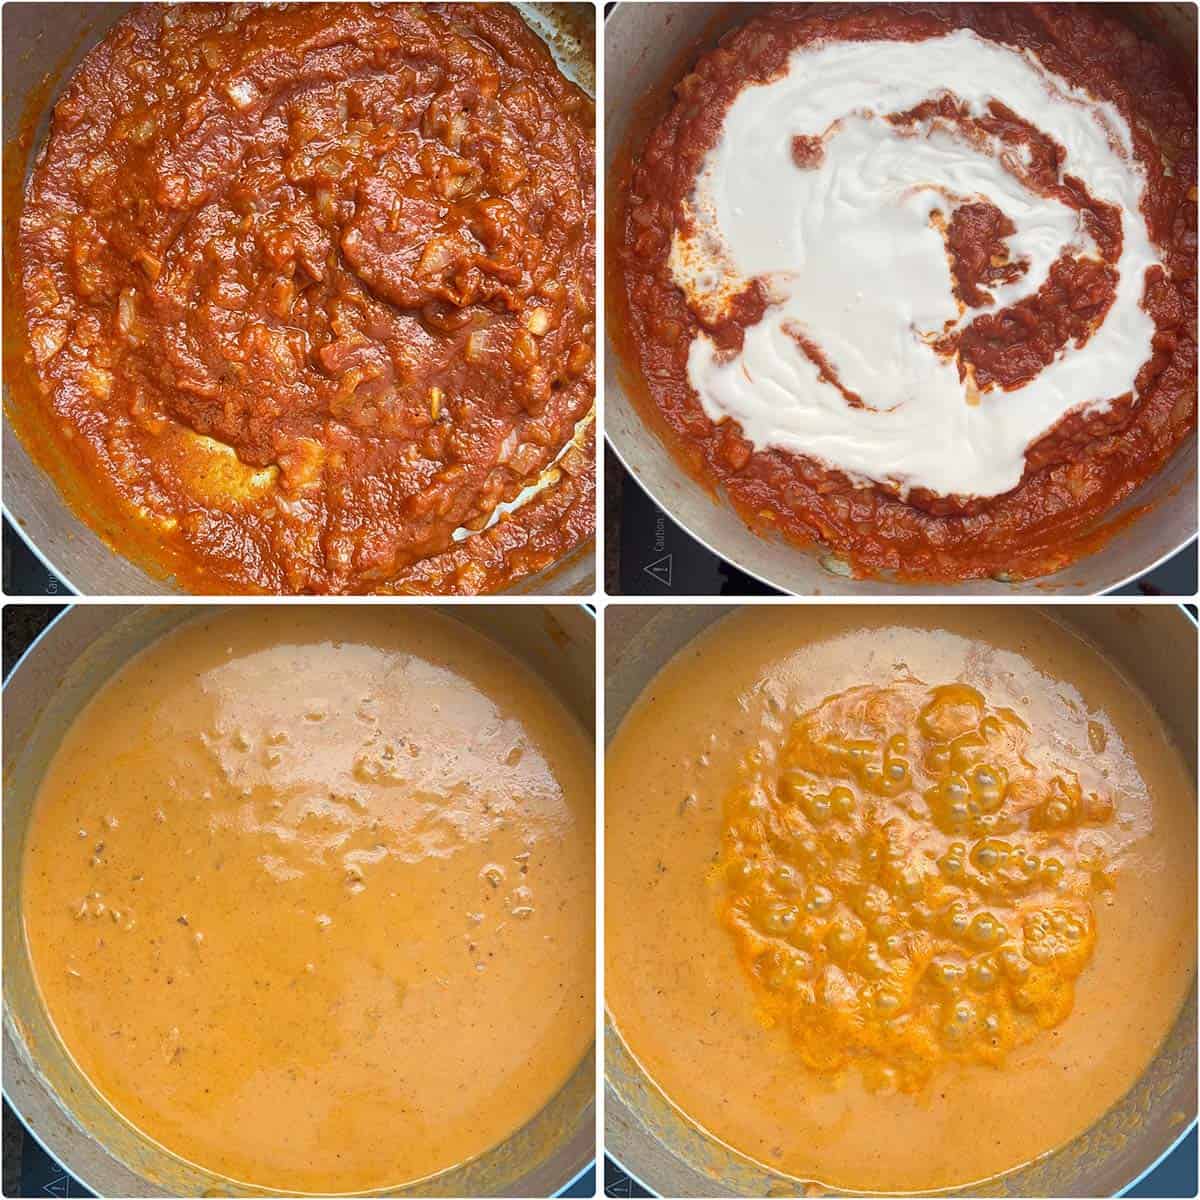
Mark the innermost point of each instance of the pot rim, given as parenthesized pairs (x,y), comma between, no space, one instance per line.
(1123,1192)
(584,554)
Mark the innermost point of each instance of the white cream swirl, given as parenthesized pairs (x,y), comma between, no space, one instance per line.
(853,261)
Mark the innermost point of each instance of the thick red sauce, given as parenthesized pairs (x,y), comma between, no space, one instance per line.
(307,289)
(1088,462)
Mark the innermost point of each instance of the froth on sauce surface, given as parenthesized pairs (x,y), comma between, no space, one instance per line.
(312,905)
(927,881)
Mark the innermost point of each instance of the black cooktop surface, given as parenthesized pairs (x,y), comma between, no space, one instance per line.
(649,555)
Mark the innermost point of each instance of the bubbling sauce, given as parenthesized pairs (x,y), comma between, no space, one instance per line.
(927,880)
(311,906)
(915,883)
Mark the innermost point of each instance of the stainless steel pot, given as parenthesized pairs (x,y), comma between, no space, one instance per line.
(645,44)
(40,38)
(1155,648)
(48,687)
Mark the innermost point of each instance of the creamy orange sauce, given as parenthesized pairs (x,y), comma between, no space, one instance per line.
(926,880)
(309,895)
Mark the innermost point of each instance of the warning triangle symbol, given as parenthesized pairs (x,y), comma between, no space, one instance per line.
(660,569)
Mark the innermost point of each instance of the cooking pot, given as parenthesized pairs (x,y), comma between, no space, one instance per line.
(51,39)
(1154,646)
(59,673)
(647,46)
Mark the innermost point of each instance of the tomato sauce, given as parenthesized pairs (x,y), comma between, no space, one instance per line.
(1091,459)
(307,296)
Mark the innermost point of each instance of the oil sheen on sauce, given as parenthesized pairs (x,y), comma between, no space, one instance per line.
(311,901)
(927,882)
